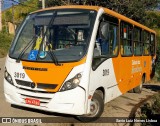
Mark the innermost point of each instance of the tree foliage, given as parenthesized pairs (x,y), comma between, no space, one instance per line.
(5,40)
(17,13)
(152,19)
(134,9)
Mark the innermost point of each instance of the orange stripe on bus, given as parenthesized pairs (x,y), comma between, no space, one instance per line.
(54,74)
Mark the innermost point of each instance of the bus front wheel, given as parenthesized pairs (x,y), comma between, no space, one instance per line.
(96,109)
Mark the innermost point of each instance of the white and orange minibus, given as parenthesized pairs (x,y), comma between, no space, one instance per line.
(74,59)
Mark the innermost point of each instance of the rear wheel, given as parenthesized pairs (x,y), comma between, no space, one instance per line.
(131,91)
(96,109)
(138,89)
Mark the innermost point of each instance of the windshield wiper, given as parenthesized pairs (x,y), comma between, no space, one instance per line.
(25,48)
(52,55)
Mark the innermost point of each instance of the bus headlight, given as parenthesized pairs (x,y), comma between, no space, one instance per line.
(8,77)
(72,83)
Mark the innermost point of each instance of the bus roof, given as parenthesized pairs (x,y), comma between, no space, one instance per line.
(70,6)
(96,8)
(121,17)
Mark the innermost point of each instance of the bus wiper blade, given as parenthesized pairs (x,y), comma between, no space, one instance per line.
(54,58)
(25,48)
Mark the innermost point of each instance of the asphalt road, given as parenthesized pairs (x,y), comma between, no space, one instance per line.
(122,106)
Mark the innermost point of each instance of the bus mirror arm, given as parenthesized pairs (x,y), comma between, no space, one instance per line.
(100,18)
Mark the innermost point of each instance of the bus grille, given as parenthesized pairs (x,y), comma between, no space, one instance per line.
(39,85)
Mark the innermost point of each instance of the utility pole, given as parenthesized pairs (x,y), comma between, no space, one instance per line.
(13,17)
(5,22)
(68,2)
(43,4)
(13,13)
(0,15)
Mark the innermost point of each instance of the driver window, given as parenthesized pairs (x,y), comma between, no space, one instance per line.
(103,38)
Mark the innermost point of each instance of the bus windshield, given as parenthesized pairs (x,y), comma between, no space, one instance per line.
(61,35)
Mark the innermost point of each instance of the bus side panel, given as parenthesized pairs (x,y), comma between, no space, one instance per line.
(104,76)
(147,67)
(131,70)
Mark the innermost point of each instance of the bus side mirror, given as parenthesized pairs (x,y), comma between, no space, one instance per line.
(104,30)
(96,53)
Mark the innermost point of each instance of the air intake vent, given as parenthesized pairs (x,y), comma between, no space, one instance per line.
(39,85)
(23,83)
(46,86)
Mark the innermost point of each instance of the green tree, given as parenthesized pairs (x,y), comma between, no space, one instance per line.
(152,19)
(51,3)
(20,11)
(8,15)
(134,9)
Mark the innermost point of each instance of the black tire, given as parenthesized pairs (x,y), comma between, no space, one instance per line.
(131,91)
(138,89)
(98,104)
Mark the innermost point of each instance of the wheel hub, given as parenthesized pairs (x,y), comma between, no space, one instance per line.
(94,108)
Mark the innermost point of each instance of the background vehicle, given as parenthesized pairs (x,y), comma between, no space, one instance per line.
(73,59)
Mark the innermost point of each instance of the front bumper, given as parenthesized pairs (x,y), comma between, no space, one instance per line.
(68,102)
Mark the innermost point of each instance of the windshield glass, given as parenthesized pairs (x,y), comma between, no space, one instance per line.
(62,33)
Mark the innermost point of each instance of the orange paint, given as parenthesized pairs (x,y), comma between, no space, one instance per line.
(70,7)
(128,74)
(54,75)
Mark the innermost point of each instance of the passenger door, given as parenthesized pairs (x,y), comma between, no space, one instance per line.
(106,49)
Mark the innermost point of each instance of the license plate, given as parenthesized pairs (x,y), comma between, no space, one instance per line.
(32,101)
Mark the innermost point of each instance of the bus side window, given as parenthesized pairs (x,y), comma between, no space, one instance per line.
(114,40)
(107,41)
(126,39)
(146,41)
(137,41)
(103,37)
(106,45)
(152,44)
